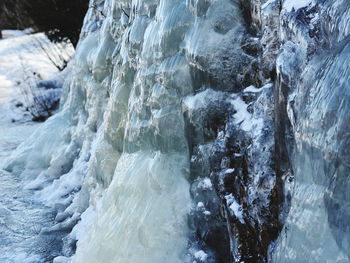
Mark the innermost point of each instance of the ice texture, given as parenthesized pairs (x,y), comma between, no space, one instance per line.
(316,229)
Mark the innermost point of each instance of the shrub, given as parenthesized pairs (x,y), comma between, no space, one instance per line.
(61,20)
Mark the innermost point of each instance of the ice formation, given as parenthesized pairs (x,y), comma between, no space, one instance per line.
(195,130)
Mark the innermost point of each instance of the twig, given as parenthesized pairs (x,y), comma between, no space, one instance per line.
(125,13)
(98,10)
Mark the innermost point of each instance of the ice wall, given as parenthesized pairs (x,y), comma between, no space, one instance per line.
(315,88)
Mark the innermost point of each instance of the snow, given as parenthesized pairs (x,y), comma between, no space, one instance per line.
(5,90)
(267,3)
(201,255)
(24,65)
(235,208)
(252,89)
(243,118)
(200,205)
(289,5)
(201,99)
(207,213)
(206,184)
(59,189)
(24,62)
(10,33)
(228,171)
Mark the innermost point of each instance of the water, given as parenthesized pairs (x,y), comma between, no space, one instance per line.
(22,218)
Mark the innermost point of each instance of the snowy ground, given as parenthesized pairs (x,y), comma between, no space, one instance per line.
(25,60)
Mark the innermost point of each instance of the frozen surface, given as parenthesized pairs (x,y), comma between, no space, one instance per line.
(21,217)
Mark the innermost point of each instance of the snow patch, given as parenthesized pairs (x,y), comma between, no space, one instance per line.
(200,205)
(252,89)
(235,208)
(206,184)
(201,255)
(289,5)
(201,99)
(267,3)
(245,119)
(228,171)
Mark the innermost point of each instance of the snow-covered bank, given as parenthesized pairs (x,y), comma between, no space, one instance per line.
(27,62)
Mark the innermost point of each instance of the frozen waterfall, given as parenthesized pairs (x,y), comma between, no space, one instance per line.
(200,131)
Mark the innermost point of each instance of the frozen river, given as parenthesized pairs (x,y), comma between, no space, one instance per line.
(21,217)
